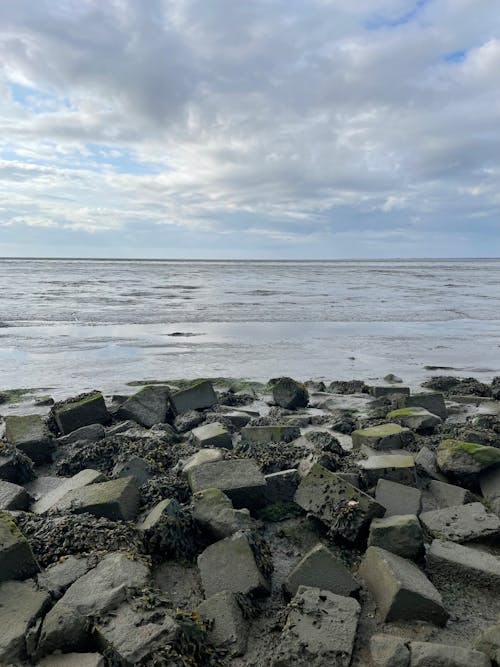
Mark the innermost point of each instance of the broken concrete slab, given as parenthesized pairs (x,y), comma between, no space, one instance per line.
(398,468)
(59,490)
(260,435)
(30,435)
(240,479)
(398,498)
(449,495)
(208,455)
(401,535)
(165,508)
(238,419)
(389,651)
(198,397)
(426,654)
(214,513)
(15,466)
(146,407)
(465,460)
(463,523)
(451,559)
(13,497)
(226,623)
(380,391)
(344,509)
(290,394)
(319,568)
(213,434)
(426,466)
(135,467)
(59,576)
(16,558)
(115,500)
(401,590)
(281,486)
(81,411)
(90,433)
(418,419)
(382,437)
(320,630)
(432,401)
(230,565)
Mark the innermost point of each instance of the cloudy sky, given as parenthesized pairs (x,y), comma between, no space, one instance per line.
(250,128)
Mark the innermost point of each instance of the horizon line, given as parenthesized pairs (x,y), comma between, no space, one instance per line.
(236,259)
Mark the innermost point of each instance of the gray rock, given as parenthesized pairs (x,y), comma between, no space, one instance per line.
(425,463)
(21,604)
(392,379)
(465,460)
(398,468)
(398,498)
(449,495)
(59,576)
(15,466)
(198,397)
(215,514)
(260,435)
(489,643)
(238,419)
(188,420)
(281,486)
(226,624)
(60,486)
(451,560)
(116,500)
(121,427)
(381,391)
(208,455)
(424,654)
(319,568)
(78,412)
(147,407)
(165,508)
(401,591)
(432,401)
(72,660)
(401,535)
(382,437)
(230,565)
(213,434)
(90,433)
(290,394)
(320,630)
(29,434)
(463,523)
(389,651)
(418,419)
(16,558)
(240,479)
(13,497)
(343,508)
(489,481)
(134,467)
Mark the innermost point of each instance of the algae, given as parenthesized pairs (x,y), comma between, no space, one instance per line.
(482,454)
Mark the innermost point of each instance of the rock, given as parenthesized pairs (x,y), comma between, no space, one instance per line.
(130,634)
(59,576)
(465,460)
(227,626)
(29,434)
(116,500)
(449,495)
(198,397)
(463,523)
(212,435)
(388,390)
(57,493)
(320,630)
(401,535)
(16,558)
(398,468)
(431,401)
(215,514)
(90,433)
(424,654)
(203,456)
(290,394)
(15,466)
(389,651)
(21,605)
(454,560)
(230,565)
(72,660)
(319,568)
(147,407)
(237,419)
(401,591)
(188,420)
(13,497)
(121,427)
(425,463)
(418,419)
(489,643)
(398,498)
(102,588)
(343,508)
(240,479)
(81,411)
(261,435)
(393,379)
(134,467)
(489,481)
(385,436)
(281,486)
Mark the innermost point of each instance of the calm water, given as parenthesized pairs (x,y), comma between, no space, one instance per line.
(75,325)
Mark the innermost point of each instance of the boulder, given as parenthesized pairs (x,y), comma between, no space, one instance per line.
(230,565)
(401,535)
(281,486)
(398,498)
(147,407)
(489,643)
(319,568)
(418,419)
(226,624)
(188,420)
(72,660)
(13,497)
(214,513)
(15,466)
(261,435)
(21,605)
(463,523)
(81,411)
(135,467)
(60,486)
(240,479)
(465,460)
(424,654)
(116,500)
(402,591)
(198,397)
(290,394)
(90,433)
(30,435)
(384,436)
(431,401)
(320,630)
(398,468)
(425,463)
(238,419)
(213,434)
(389,651)
(452,560)
(449,495)
(16,558)
(343,508)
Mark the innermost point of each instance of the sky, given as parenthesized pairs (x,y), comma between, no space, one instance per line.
(274,129)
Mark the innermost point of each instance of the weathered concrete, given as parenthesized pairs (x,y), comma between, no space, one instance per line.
(147,407)
(215,514)
(90,433)
(449,495)
(454,560)
(401,535)
(418,419)
(72,660)
(432,401)
(118,499)
(208,455)
(91,409)
(290,394)
(240,479)
(30,435)
(57,493)
(464,459)
(165,508)
(198,397)
(281,486)
(382,437)
(389,651)
(227,626)
(464,523)
(379,391)
(398,498)
(489,481)
(16,558)
(213,434)
(260,435)
(489,643)
(425,463)
(398,468)
(425,654)
(59,576)
(135,467)
(13,497)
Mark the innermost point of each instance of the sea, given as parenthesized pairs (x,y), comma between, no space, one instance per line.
(68,326)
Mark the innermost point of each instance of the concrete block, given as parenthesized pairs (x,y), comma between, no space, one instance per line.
(462,523)
(198,397)
(240,479)
(213,434)
(398,498)
(116,500)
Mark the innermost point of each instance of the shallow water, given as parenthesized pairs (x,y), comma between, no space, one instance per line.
(72,325)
